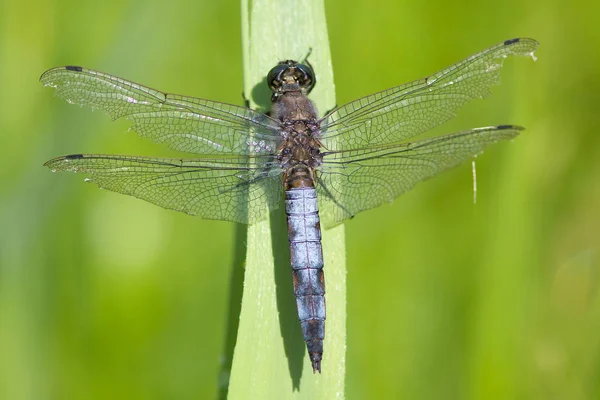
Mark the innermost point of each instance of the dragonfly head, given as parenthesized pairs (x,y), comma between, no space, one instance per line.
(290,76)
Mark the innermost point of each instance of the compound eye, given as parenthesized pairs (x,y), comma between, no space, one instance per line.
(274,77)
(307,79)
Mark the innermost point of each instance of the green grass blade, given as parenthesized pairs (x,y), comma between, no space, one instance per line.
(270,360)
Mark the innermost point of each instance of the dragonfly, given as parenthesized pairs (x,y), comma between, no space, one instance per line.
(358,156)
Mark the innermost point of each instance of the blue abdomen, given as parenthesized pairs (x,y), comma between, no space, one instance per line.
(306,256)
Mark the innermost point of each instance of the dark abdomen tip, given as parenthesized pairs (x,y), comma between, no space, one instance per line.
(315,359)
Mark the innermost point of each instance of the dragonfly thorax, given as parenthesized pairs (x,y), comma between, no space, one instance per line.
(300,149)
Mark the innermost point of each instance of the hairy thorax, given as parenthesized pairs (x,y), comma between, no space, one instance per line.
(299,152)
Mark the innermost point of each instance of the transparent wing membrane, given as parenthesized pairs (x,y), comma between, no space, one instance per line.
(367,158)
(408,110)
(183,123)
(355,180)
(228,189)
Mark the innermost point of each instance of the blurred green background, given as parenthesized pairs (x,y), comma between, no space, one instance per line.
(105,296)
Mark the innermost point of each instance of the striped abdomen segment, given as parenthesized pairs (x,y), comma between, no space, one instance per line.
(306,257)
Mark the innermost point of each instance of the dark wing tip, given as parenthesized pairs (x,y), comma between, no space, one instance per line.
(515,127)
(52,163)
(511,41)
(532,43)
(68,68)
(73,157)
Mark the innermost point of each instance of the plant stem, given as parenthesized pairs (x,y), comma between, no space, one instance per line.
(270,357)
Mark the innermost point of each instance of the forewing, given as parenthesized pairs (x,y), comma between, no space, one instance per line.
(356,180)
(232,189)
(408,110)
(183,123)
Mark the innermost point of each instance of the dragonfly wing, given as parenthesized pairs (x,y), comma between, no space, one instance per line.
(183,123)
(356,180)
(231,189)
(408,110)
